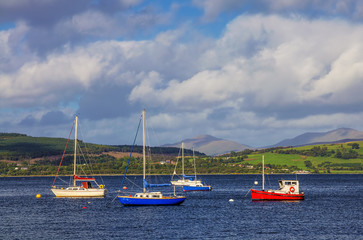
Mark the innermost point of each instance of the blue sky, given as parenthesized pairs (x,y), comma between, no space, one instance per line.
(255,72)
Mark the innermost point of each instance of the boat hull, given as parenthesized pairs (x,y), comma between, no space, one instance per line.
(86,193)
(271,196)
(196,188)
(137,201)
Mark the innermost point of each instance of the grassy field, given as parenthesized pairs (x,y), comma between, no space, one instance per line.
(325,163)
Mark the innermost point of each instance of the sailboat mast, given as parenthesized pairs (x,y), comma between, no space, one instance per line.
(183,159)
(75,152)
(195,167)
(263,172)
(143,146)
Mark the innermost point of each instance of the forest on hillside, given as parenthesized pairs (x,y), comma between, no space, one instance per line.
(20,147)
(21,155)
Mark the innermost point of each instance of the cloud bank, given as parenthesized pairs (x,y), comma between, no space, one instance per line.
(274,71)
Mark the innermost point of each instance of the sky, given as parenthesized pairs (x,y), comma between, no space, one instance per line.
(254,72)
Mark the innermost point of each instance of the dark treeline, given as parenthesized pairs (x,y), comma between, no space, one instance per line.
(18,147)
(318,151)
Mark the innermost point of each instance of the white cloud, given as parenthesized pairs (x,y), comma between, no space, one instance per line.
(291,65)
(262,73)
(45,81)
(344,82)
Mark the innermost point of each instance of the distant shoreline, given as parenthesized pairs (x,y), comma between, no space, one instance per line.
(218,174)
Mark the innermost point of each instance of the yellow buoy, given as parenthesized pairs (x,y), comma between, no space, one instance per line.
(38,196)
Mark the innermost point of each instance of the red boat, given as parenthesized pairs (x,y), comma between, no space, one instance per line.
(288,191)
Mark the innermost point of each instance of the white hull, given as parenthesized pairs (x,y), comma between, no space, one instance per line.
(83,191)
(75,192)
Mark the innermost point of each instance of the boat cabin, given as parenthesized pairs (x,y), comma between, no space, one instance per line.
(149,195)
(75,188)
(289,186)
(86,184)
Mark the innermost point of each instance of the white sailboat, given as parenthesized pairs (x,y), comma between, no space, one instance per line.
(83,190)
(185,180)
(189,183)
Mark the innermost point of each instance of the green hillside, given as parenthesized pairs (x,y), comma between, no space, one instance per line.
(323,158)
(25,155)
(22,155)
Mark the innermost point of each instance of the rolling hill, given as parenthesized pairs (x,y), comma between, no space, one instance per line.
(334,136)
(210,145)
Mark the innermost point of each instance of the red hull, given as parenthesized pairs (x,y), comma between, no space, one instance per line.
(270,196)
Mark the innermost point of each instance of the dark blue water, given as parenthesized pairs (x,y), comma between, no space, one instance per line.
(332,209)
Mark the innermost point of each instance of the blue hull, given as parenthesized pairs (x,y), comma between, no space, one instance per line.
(192,188)
(133,201)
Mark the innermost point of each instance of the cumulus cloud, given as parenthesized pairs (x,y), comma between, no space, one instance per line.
(263,72)
(44,81)
(294,74)
(53,24)
(293,65)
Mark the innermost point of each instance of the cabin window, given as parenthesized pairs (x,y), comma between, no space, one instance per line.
(288,183)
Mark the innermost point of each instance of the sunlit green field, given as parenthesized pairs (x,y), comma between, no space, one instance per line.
(317,162)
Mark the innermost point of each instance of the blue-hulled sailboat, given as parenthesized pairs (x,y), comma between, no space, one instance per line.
(190,183)
(197,187)
(147,198)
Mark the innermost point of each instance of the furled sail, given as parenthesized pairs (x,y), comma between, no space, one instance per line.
(146,184)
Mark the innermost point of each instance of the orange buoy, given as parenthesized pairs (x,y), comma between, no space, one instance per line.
(124,188)
(38,196)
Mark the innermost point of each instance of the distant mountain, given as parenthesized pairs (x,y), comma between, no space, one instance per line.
(338,135)
(210,145)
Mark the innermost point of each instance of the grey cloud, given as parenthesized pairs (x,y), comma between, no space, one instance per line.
(39,13)
(55,118)
(29,121)
(51,118)
(47,13)
(106,102)
(54,24)
(315,9)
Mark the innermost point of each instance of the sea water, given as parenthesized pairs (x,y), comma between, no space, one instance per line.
(332,209)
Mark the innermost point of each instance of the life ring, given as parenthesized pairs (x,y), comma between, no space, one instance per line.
(292,189)
(101,186)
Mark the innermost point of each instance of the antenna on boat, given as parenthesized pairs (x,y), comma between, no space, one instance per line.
(143,146)
(183,159)
(263,172)
(195,167)
(75,152)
